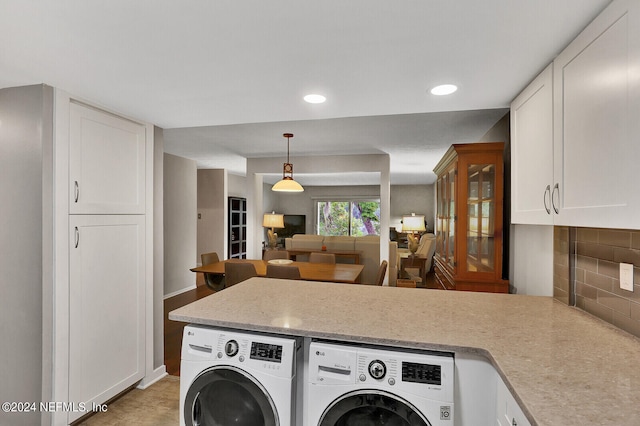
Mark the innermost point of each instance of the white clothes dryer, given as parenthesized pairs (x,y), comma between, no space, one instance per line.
(236,378)
(350,385)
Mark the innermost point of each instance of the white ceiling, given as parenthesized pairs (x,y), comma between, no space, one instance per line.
(227,77)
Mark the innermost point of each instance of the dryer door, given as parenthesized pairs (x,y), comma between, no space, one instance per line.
(372,407)
(225,395)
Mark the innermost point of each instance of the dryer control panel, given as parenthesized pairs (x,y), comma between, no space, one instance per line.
(422,373)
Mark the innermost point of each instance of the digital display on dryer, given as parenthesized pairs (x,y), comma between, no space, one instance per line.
(421,373)
(266,352)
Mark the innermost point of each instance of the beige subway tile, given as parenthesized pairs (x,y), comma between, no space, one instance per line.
(610,269)
(588,263)
(633,296)
(588,235)
(595,250)
(635,311)
(612,237)
(603,312)
(561,282)
(600,281)
(561,233)
(626,255)
(618,304)
(561,270)
(586,291)
(627,324)
(561,295)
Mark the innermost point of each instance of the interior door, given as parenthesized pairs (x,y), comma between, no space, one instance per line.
(106,306)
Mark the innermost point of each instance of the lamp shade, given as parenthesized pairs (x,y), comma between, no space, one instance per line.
(287,185)
(413,223)
(273,220)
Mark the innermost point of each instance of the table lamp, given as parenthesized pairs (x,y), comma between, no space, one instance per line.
(412,225)
(272,220)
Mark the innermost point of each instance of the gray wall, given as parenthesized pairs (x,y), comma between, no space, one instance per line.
(418,199)
(211,202)
(25,125)
(180,186)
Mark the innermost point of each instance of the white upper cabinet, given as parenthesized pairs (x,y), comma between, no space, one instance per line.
(532,152)
(597,122)
(581,118)
(106,163)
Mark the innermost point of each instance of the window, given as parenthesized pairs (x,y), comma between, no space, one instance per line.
(354,218)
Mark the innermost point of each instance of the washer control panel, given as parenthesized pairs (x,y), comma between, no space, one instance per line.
(273,354)
(377,369)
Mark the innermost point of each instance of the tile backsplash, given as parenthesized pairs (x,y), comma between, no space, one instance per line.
(590,258)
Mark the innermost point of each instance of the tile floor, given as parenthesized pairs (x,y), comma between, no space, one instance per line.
(158,405)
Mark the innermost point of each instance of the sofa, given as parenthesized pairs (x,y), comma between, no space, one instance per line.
(368,246)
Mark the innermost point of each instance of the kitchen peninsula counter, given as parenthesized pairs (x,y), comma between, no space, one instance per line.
(563,366)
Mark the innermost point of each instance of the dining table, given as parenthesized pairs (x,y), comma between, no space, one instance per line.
(327,272)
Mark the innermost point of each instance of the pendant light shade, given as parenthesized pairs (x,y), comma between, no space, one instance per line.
(287,184)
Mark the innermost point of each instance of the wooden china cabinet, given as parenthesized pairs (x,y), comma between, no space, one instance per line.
(469,193)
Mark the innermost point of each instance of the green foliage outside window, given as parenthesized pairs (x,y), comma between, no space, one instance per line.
(355,218)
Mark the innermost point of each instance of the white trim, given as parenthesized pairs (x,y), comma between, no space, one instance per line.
(175,293)
(155,376)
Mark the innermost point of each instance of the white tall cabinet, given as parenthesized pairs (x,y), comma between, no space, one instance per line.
(103,165)
(591,100)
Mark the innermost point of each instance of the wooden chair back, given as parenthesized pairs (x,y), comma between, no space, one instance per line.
(289,272)
(236,272)
(213,281)
(382,271)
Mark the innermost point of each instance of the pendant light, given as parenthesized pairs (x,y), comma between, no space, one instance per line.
(287,184)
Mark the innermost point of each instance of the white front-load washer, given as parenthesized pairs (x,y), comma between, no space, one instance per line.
(350,385)
(237,378)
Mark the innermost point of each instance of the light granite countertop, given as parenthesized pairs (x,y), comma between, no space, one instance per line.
(563,366)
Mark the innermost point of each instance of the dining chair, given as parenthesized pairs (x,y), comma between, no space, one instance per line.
(215,282)
(236,272)
(322,258)
(382,270)
(275,254)
(289,272)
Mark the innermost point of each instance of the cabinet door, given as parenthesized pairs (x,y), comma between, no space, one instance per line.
(106,306)
(508,412)
(106,163)
(597,122)
(532,152)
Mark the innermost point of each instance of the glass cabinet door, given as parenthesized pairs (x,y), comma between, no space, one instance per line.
(451,201)
(440,226)
(481,180)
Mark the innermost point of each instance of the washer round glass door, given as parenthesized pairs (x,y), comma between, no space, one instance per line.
(225,395)
(371,407)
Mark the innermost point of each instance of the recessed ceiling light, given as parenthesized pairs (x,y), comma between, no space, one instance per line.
(444,89)
(315,99)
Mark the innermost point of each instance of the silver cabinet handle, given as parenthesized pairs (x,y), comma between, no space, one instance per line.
(76,190)
(547,193)
(555,188)
(77,236)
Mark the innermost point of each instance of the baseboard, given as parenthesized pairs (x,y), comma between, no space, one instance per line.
(175,293)
(157,374)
